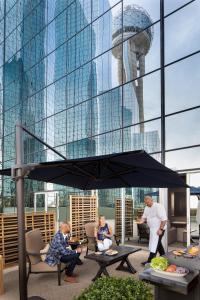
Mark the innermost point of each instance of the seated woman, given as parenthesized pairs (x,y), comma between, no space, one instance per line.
(103,234)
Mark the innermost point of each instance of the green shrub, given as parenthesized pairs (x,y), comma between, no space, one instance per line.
(111,288)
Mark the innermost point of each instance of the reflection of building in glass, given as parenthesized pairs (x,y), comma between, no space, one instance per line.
(33,102)
(77,86)
(131,65)
(135,19)
(23,78)
(69,71)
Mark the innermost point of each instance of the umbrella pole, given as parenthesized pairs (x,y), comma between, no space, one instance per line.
(20,214)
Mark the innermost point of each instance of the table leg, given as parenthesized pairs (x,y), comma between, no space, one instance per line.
(128,268)
(101,270)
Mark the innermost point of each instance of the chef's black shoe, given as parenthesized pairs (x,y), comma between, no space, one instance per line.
(144,263)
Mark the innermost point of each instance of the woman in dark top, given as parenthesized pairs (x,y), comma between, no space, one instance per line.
(103,233)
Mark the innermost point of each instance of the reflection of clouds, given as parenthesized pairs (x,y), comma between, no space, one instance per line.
(194,181)
(176,87)
(185,124)
(186,37)
(183,159)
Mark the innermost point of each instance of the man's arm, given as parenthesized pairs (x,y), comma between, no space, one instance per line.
(143,218)
(163,217)
(59,248)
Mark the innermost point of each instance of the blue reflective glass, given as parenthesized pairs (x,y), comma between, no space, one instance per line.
(179,42)
(106,112)
(145,136)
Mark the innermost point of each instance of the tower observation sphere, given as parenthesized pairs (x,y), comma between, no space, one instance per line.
(137,35)
(135,20)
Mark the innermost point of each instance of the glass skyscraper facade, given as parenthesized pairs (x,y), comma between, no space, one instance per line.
(92,77)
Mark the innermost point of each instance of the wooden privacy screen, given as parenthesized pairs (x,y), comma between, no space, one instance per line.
(128,218)
(83,209)
(8,232)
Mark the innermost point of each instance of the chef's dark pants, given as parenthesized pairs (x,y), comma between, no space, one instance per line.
(159,249)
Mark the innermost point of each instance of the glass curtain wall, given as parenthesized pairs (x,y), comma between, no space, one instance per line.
(92,77)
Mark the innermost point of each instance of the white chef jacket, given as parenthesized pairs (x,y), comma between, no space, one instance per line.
(154,215)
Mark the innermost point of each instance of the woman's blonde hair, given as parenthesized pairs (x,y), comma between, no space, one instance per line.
(101,216)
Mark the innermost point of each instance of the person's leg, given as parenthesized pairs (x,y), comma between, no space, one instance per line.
(79,261)
(72,260)
(100,246)
(151,256)
(160,248)
(107,243)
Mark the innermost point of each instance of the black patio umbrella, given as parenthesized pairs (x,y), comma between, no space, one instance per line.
(195,191)
(128,169)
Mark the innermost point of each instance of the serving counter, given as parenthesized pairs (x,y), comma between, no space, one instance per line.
(176,288)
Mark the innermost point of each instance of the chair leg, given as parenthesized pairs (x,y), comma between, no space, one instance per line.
(87,251)
(29,271)
(59,274)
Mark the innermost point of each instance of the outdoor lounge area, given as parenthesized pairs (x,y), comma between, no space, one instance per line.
(46,286)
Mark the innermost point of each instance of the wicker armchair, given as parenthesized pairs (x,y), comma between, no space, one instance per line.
(91,239)
(34,243)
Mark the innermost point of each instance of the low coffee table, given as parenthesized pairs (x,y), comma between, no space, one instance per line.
(105,260)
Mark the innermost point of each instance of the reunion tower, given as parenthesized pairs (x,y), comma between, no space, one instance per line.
(137,43)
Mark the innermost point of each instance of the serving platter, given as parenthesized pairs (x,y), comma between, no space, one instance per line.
(111,252)
(171,274)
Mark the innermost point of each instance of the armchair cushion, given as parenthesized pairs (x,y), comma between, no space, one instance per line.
(44,252)
(44,267)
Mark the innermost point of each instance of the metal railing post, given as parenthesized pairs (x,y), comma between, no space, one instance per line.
(20,214)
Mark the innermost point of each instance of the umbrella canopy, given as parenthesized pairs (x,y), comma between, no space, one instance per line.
(128,169)
(198,213)
(195,190)
(152,193)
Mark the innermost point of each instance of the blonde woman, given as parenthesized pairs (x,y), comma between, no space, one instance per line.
(103,234)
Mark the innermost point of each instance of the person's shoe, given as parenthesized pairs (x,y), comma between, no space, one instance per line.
(144,263)
(79,262)
(70,279)
(74,275)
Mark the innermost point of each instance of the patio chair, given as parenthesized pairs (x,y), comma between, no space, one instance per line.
(143,232)
(34,243)
(91,239)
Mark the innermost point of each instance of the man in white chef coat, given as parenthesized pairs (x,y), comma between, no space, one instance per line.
(156,218)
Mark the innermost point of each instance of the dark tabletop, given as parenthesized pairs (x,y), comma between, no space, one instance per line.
(122,252)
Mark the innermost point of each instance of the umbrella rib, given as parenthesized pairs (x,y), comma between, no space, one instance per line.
(122,179)
(80,170)
(84,172)
(60,176)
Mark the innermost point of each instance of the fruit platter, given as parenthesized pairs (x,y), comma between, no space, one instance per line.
(188,253)
(161,265)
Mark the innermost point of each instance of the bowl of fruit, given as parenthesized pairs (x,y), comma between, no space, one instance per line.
(161,266)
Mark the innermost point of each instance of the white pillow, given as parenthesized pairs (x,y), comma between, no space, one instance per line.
(45,250)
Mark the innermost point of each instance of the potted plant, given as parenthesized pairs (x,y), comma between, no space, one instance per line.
(109,288)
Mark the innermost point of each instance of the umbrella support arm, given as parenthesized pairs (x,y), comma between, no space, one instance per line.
(19,171)
(23,169)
